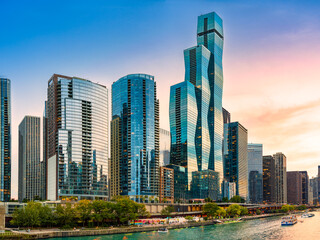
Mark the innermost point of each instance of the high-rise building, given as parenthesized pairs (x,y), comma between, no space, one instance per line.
(236,157)
(135,103)
(255,173)
(280,161)
(305,187)
(165,144)
(77,139)
(29,159)
(5,140)
(166,186)
(43,164)
(205,184)
(183,120)
(226,116)
(294,187)
(180,187)
(315,192)
(268,179)
(115,159)
(228,189)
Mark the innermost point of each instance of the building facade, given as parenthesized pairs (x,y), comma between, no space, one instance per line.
(165,145)
(134,101)
(294,187)
(5,140)
(166,186)
(205,184)
(305,187)
(76,139)
(114,166)
(280,161)
(268,179)
(255,173)
(236,157)
(29,159)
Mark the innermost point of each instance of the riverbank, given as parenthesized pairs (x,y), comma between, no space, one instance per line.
(57,233)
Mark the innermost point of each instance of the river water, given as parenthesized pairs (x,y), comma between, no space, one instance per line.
(267,228)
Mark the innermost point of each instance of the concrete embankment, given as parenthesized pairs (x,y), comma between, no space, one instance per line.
(43,234)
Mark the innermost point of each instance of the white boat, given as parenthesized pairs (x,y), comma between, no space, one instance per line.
(289,220)
(163,230)
(307,215)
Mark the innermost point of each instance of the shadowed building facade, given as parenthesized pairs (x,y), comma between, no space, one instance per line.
(76,139)
(294,187)
(280,161)
(268,179)
(5,140)
(135,103)
(305,187)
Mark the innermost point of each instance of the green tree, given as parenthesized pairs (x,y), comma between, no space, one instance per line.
(221,212)
(167,210)
(83,210)
(47,217)
(301,207)
(258,211)
(225,199)
(243,211)
(32,214)
(66,215)
(210,209)
(102,210)
(237,199)
(234,210)
(18,217)
(287,208)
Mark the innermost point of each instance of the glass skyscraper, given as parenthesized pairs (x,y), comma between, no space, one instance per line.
(5,140)
(255,173)
(236,157)
(29,159)
(77,139)
(135,103)
(203,110)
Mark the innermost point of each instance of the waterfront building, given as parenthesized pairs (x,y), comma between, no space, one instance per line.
(77,139)
(166,186)
(205,184)
(43,164)
(228,189)
(268,179)
(315,192)
(255,173)
(310,193)
(305,187)
(236,157)
(114,162)
(29,159)
(280,161)
(180,187)
(183,118)
(5,141)
(165,145)
(294,187)
(135,103)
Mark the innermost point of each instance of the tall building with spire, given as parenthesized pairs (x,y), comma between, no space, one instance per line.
(204,131)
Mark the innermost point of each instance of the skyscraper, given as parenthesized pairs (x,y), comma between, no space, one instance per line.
(236,157)
(77,139)
(305,187)
(294,187)
(165,143)
(280,161)
(5,140)
(268,179)
(255,172)
(135,103)
(115,156)
(29,159)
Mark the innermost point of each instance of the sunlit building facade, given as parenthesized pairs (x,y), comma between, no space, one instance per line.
(5,139)
(280,192)
(77,139)
(134,101)
(165,145)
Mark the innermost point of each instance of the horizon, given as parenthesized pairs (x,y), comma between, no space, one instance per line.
(270,61)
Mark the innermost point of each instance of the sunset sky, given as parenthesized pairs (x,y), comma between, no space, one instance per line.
(271,60)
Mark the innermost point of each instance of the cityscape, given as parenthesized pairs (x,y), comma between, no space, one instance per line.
(98,143)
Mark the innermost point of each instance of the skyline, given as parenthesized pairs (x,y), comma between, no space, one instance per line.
(253,99)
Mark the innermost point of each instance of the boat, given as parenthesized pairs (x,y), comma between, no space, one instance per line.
(288,220)
(307,215)
(162,230)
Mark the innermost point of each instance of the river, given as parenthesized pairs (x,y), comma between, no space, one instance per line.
(267,228)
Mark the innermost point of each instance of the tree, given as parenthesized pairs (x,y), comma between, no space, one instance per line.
(234,210)
(301,207)
(189,218)
(287,208)
(210,209)
(258,211)
(102,210)
(243,211)
(66,215)
(221,212)
(225,199)
(208,199)
(237,199)
(83,209)
(167,210)
(47,217)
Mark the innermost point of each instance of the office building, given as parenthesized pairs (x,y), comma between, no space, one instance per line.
(29,159)
(315,192)
(255,173)
(236,157)
(114,167)
(180,187)
(166,186)
(305,187)
(280,161)
(205,184)
(228,189)
(5,141)
(165,145)
(77,139)
(135,103)
(268,179)
(294,187)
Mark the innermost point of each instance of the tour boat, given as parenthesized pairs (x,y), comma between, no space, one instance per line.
(307,215)
(162,230)
(288,220)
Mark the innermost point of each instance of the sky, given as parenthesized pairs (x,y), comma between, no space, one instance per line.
(271,60)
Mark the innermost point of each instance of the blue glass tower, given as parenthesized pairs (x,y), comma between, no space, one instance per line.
(5,140)
(135,103)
